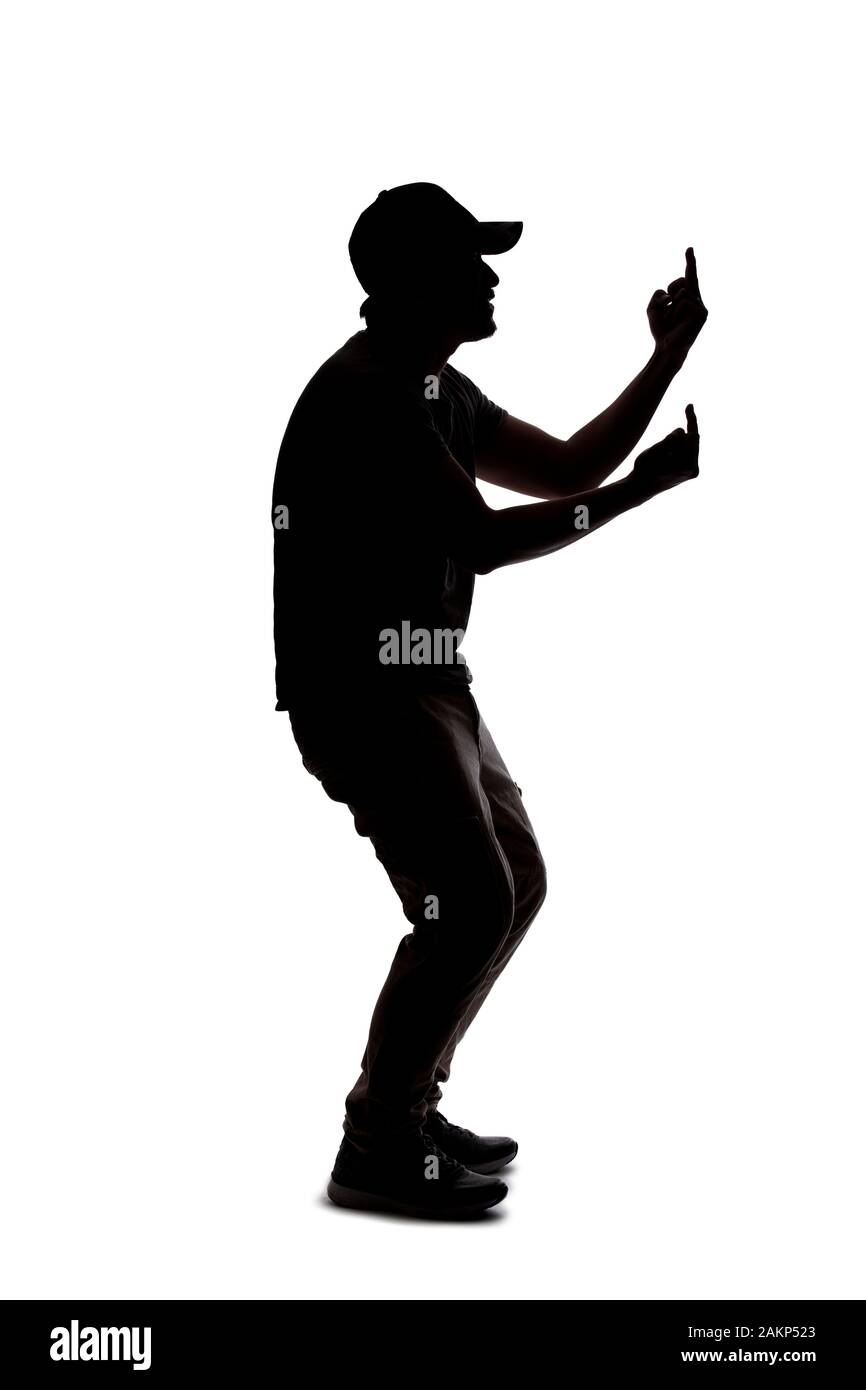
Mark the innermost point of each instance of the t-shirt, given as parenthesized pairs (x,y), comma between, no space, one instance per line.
(364,595)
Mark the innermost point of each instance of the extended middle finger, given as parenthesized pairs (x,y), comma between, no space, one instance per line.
(692,272)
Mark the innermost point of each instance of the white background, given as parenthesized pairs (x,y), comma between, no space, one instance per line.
(194,936)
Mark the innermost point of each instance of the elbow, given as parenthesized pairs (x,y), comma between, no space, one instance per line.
(485,563)
(475,558)
(476,549)
(486,556)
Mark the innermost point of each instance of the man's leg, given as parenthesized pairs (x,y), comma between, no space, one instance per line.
(517,839)
(412,779)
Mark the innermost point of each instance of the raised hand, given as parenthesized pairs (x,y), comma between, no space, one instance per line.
(670,462)
(677,315)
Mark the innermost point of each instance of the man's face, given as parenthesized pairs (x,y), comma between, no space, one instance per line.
(461,296)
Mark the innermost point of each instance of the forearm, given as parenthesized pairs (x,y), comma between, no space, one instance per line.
(522,533)
(595,451)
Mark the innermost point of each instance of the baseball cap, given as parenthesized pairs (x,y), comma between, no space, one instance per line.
(417,220)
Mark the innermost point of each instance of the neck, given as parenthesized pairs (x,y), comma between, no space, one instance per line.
(417,350)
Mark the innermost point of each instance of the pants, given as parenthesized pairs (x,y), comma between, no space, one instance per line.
(426,783)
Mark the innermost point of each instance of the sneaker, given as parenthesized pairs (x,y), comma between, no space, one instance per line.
(414,1178)
(482,1153)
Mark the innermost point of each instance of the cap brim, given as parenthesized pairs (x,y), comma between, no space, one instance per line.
(494,237)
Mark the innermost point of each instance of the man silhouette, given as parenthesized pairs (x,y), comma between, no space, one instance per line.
(379,532)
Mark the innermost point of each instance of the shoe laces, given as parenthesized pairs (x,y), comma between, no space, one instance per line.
(446,1163)
(447,1126)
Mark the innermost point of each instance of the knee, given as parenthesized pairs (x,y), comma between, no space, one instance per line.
(530,889)
(466,892)
(495,904)
(489,896)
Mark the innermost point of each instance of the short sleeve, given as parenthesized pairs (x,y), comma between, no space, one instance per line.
(485,415)
(488,417)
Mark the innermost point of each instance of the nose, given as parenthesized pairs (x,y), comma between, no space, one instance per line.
(491,279)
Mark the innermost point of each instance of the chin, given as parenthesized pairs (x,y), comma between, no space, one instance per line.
(483,328)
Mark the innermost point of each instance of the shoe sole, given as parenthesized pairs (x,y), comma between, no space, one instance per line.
(358,1200)
(494,1165)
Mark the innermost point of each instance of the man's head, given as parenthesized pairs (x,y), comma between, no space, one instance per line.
(418,254)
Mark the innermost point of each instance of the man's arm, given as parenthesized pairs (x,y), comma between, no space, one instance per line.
(525,459)
(482,539)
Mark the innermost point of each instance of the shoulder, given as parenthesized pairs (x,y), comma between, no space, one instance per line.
(347,371)
(353,374)
(484,414)
(459,385)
